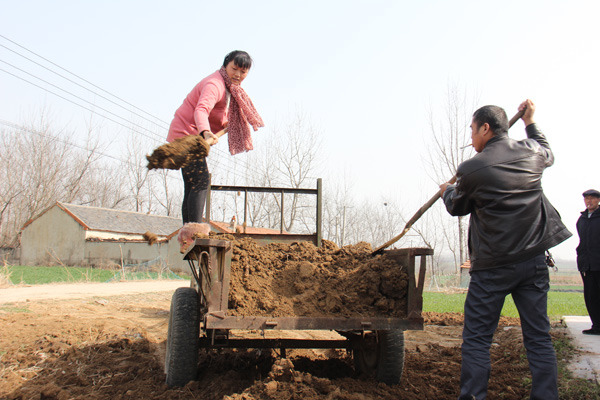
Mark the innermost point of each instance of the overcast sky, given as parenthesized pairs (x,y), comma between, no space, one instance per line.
(364,72)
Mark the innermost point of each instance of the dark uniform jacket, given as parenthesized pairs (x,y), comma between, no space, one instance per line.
(511,219)
(588,251)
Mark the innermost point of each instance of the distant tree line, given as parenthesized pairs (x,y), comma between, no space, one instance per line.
(42,164)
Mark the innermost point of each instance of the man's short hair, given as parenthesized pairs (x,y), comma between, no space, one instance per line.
(494,116)
(591,192)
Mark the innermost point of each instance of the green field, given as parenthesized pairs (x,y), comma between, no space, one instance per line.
(559,304)
(59,274)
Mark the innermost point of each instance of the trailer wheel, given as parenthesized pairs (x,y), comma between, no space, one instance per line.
(380,354)
(181,361)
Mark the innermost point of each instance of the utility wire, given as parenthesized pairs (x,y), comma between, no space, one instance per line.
(77,104)
(77,97)
(162,126)
(219,153)
(224,165)
(165,126)
(77,76)
(31,131)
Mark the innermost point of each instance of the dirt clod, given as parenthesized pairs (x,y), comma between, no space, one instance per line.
(178,153)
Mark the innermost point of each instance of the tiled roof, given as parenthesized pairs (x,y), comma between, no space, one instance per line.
(118,221)
(109,220)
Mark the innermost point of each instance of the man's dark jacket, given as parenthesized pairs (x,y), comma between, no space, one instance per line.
(588,251)
(511,219)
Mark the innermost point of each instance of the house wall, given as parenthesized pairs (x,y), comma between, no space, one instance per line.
(109,253)
(56,238)
(175,260)
(53,238)
(112,252)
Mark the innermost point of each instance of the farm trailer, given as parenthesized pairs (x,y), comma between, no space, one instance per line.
(199,319)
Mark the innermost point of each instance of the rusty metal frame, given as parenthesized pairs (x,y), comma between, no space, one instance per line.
(415,281)
(315,238)
(220,321)
(205,342)
(212,277)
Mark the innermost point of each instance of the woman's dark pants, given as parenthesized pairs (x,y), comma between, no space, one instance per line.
(195,186)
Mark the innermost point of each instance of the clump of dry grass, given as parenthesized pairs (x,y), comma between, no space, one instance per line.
(5,275)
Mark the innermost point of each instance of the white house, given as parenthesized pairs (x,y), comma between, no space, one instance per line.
(71,234)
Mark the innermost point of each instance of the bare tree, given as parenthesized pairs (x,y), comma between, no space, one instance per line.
(381,220)
(290,160)
(450,147)
(138,177)
(40,166)
(338,210)
(297,149)
(81,167)
(164,193)
(105,187)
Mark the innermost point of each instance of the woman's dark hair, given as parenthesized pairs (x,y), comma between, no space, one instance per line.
(494,116)
(239,58)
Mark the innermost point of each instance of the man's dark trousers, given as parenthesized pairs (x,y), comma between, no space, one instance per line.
(591,294)
(528,282)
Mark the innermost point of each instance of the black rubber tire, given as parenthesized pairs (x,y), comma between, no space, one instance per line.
(181,360)
(380,354)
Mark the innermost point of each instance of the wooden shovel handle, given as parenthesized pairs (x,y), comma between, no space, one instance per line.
(515,118)
(211,141)
(431,201)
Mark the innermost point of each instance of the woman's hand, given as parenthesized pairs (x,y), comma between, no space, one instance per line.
(210,137)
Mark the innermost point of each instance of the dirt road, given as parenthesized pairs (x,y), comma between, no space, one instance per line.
(101,345)
(84,290)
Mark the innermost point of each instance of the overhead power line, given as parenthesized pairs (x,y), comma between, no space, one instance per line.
(77,104)
(218,153)
(77,97)
(32,131)
(77,76)
(57,138)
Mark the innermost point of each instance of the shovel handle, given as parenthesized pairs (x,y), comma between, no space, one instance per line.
(515,118)
(212,141)
(431,201)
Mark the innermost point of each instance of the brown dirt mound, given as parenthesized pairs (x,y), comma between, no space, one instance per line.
(113,348)
(304,280)
(178,153)
(432,373)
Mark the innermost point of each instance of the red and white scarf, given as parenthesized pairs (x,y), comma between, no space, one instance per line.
(241,114)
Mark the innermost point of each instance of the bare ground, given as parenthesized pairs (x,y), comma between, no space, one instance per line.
(112,347)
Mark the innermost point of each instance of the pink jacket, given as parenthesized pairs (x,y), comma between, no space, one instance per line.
(205,108)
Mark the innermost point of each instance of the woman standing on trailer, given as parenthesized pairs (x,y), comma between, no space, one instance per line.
(218,101)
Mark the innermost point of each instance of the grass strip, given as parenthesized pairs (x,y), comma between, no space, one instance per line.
(38,275)
(559,304)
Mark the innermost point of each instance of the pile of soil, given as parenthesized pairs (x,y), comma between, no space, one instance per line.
(301,279)
(113,348)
